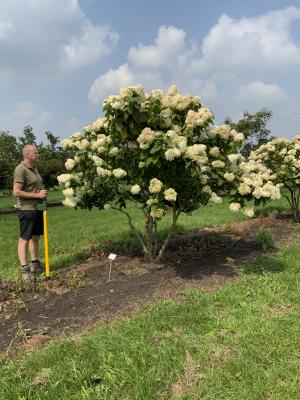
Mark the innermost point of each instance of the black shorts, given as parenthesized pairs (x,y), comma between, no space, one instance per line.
(31,223)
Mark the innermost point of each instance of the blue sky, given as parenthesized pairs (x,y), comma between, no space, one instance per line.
(60,58)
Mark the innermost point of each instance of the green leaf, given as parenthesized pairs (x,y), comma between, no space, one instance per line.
(156,148)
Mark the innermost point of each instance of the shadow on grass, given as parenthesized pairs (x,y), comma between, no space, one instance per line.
(265,264)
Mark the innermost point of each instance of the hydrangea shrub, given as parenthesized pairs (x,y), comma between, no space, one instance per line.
(282,158)
(160,151)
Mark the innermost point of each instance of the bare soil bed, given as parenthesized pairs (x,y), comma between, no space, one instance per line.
(80,297)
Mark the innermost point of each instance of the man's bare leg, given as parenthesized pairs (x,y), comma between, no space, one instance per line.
(22,251)
(34,248)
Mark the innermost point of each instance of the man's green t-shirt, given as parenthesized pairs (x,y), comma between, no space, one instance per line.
(32,182)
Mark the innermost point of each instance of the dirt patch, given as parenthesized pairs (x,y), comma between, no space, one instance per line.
(279,310)
(79,297)
(181,387)
(221,355)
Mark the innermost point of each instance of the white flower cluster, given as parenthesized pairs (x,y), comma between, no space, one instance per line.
(177,140)
(146,138)
(218,164)
(70,164)
(235,207)
(214,198)
(131,91)
(214,151)
(114,151)
(229,176)
(97,125)
(156,94)
(99,143)
(172,153)
(225,132)
(155,185)
(197,153)
(256,180)
(233,158)
(97,160)
(135,189)
(71,199)
(150,202)
(174,100)
(119,173)
(198,118)
(85,143)
(115,102)
(177,143)
(64,178)
(248,211)
(170,195)
(103,172)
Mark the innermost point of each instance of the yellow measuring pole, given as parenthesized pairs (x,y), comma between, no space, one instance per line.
(47,266)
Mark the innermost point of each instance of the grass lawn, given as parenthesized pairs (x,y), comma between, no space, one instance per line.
(73,232)
(239,343)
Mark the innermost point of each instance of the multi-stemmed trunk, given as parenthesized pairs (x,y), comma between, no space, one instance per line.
(149,240)
(293,199)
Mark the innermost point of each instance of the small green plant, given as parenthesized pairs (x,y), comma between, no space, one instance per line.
(265,239)
(75,280)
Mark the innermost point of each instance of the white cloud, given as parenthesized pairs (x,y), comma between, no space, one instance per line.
(109,82)
(158,65)
(253,43)
(73,124)
(263,93)
(7,28)
(51,37)
(169,46)
(25,113)
(93,43)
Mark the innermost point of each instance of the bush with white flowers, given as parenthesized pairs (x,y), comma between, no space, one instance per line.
(282,158)
(158,150)
(253,181)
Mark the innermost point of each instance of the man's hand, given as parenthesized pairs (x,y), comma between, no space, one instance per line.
(42,194)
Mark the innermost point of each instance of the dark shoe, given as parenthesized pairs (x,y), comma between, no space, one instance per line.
(27,275)
(36,267)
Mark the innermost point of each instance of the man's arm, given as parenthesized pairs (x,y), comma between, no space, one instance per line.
(18,192)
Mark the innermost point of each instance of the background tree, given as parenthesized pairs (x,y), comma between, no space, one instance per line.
(28,136)
(9,157)
(254,128)
(52,160)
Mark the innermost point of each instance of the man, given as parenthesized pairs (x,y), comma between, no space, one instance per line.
(29,190)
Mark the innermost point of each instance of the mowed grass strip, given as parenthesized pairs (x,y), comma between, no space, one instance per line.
(73,232)
(241,342)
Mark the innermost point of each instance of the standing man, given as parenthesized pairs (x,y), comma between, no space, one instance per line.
(29,190)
